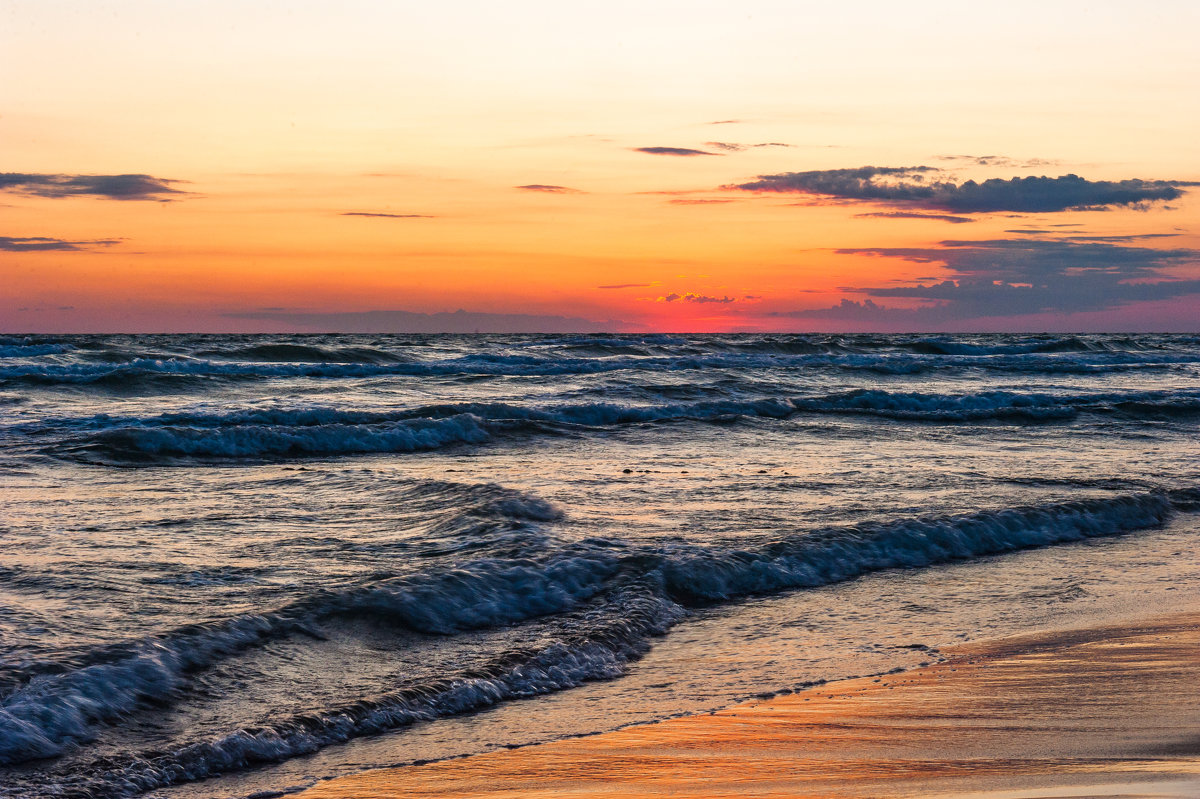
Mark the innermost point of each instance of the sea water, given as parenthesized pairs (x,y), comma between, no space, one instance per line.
(233,565)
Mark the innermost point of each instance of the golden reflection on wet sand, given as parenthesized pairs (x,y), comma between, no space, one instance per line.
(1096,712)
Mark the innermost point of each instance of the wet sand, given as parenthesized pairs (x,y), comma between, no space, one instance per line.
(1107,711)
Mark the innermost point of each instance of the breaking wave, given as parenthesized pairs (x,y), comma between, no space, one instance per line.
(612,597)
(274,432)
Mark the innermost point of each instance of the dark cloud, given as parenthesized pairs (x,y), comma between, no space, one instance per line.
(548,188)
(627,286)
(699,200)
(1026,260)
(43,244)
(112,187)
(683,151)
(862,183)
(726,122)
(866,312)
(696,298)
(412,322)
(387,216)
(955,220)
(1014,277)
(924,187)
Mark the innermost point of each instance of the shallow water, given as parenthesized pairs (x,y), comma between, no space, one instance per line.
(234,564)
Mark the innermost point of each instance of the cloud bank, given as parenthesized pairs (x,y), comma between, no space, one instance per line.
(1015,277)
(112,187)
(924,187)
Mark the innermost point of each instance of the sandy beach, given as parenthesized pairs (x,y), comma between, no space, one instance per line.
(1101,711)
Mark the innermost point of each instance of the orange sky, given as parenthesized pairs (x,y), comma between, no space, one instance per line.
(279,119)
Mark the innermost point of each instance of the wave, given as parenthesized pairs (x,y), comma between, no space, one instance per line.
(612,598)
(31,350)
(328,431)
(974,345)
(933,346)
(256,441)
(600,345)
(597,651)
(315,431)
(1000,405)
(345,364)
(702,575)
(51,712)
(300,353)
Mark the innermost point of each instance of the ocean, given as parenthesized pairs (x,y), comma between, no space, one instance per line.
(234,565)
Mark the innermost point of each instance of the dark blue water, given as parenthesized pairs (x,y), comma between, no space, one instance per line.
(240,563)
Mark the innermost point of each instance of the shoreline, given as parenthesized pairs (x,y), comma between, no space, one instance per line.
(1106,710)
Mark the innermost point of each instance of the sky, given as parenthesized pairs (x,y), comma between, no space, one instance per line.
(248,166)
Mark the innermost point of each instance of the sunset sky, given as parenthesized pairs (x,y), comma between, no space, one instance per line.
(624,166)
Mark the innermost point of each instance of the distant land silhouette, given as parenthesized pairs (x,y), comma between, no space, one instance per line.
(459,321)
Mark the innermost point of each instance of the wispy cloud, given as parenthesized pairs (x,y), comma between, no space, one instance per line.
(1001,160)
(677,151)
(925,187)
(44,244)
(699,200)
(955,220)
(112,187)
(627,286)
(548,188)
(736,147)
(387,216)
